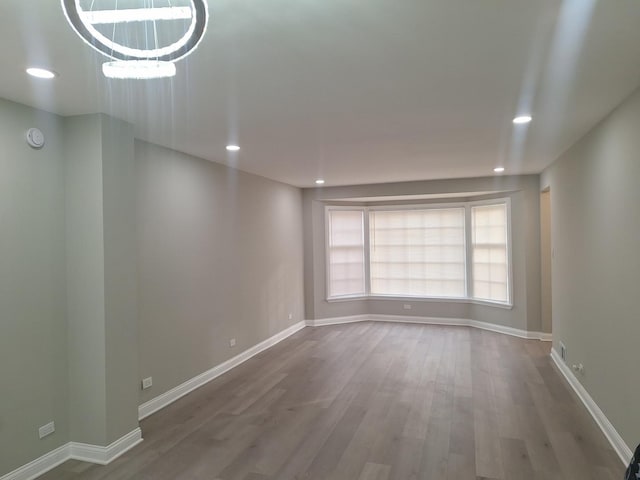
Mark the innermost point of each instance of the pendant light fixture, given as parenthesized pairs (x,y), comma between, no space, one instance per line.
(143,40)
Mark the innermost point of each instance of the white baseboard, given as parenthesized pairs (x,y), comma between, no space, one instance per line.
(105,455)
(338,320)
(76,451)
(183,389)
(616,441)
(546,337)
(459,322)
(40,465)
(515,332)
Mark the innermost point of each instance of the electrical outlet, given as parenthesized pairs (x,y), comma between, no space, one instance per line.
(232,342)
(563,352)
(147,382)
(406,306)
(291,316)
(47,429)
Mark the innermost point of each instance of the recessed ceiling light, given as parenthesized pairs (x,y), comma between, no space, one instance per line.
(41,73)
(319,181)
(498,169)
(233,148)
(522,119)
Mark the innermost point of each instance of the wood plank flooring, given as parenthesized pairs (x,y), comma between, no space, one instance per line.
(374,401)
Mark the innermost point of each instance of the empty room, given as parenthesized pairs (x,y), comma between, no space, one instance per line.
(319,240)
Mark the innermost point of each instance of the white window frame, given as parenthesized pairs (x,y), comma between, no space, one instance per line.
(428,206)
(327,243)
(468,298)
(496,201)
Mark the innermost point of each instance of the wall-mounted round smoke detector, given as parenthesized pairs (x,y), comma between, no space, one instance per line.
(35,138)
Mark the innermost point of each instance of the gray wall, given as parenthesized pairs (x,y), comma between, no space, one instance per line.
(120,278)
(596,267)
(68,321)
(545,262)
(524,195)
(85,279)
(101,279)
(33,354)
(219,257)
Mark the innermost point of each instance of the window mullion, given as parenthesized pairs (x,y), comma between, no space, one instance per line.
(468,259)
(367,253)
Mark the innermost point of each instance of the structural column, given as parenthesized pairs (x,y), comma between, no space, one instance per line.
(101,279)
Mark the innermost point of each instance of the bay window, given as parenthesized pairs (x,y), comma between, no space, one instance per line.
(456,251)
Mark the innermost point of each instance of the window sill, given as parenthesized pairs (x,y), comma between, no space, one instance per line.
(487,303)
(348,298)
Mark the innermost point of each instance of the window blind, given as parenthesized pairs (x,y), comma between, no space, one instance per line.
(418,252)
(346,253)
(490,256)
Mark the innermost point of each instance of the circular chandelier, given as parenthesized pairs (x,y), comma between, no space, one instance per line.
(145,38)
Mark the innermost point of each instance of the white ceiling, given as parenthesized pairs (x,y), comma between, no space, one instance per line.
(354,91)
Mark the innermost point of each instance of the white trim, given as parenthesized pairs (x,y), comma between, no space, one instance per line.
(348,298)
(468,252)
(322,322)
(40,465)
(366,236)
(105,455)
(76,451)
(616,441)
(407,298)
(546,337)
(467,206)
(327,250)
(491,303)
(514,332)
(509,245)
(183,389)
(459,322)
(456,322)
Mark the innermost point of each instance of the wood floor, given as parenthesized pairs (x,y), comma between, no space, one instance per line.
(374,401)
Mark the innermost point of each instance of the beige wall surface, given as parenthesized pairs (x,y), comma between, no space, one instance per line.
(101,279)
(33,343)
(120,278)
(524,195)
(220,254)
(85,279)
(545,261)
(596,266)
(219,257)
